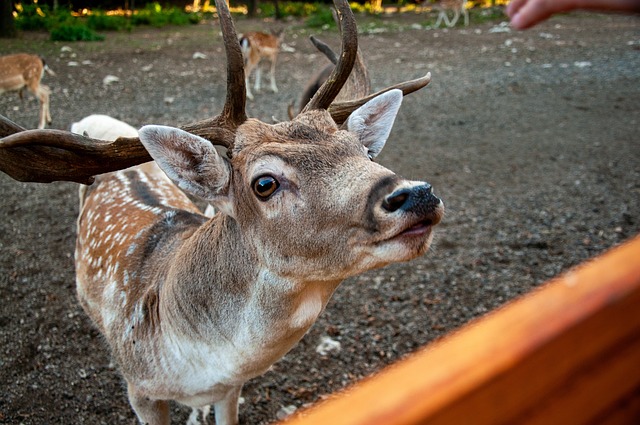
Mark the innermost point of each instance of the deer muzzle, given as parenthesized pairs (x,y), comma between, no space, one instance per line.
(418,204)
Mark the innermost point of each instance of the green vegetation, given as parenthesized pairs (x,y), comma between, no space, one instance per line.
(65,25)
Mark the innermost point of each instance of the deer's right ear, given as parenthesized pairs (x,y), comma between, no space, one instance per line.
(189,161)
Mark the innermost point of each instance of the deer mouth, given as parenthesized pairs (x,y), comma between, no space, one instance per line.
(421,228)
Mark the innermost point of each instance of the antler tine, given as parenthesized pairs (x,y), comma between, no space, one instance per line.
(340,111)
(8,127)
(324,49)
(44,156)
(233,113)
(330,89)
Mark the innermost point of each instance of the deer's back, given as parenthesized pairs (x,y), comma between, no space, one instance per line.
(130,224)
(19,69)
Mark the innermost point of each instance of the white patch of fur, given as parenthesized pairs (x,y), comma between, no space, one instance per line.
(103,127)
(109,297)
(307,311)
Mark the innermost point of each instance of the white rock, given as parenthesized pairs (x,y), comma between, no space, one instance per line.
(583,64)
(110,79)
(286,411)
(328,345)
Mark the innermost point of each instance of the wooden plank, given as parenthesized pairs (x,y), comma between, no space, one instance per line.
(511,363)
(622,412)
(595,390)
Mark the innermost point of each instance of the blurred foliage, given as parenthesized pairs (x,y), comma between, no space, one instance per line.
(65,24)
(74,32)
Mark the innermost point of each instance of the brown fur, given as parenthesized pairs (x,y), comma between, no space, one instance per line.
(23,70)
(256,47)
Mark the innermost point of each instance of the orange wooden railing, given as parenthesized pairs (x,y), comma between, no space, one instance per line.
(567,353)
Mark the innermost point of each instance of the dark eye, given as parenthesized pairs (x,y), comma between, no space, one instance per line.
(264,186)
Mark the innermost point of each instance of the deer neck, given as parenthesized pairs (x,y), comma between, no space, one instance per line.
(235,296)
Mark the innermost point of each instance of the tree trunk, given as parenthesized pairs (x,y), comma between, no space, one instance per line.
(252,7)
(7,26)
(277,7)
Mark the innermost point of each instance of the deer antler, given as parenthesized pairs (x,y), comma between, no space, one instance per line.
(360,85)
(324,49)
(233,113)
(330,89)
(45,156)
(340,111)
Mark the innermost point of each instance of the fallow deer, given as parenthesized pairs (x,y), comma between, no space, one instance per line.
(193,307)
(24,70)
(445,6)
(257,47)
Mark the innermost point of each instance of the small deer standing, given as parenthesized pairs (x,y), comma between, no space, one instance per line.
(457,6)
(256,47)
(24,70)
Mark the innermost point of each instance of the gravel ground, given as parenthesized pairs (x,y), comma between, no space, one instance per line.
(530,138)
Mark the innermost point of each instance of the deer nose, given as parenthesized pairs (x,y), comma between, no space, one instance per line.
(416,198)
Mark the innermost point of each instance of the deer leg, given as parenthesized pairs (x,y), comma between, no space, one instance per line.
(465,12)
(194,417)
(272,72)
(247,73)
(258,78)
(456,16)
(42,93)
(149,412)
(226,410)
(443,16)
(440,15)
(46,103)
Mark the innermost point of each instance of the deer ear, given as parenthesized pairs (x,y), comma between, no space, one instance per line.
(189,161)
(372,122)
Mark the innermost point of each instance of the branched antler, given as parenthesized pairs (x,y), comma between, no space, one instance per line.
(45,156)
(330,89)
(356,89)
(55,155)
(340,111)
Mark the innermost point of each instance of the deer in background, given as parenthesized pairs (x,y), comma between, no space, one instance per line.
(24,70)
(445,6)
(256,47)
(357,85)
(193,307)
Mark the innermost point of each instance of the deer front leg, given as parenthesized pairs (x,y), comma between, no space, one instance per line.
(226,410)
(194,418)
(272,73)
(46,103)
(247,74)
(454,21)
(249,94)
(149,412)
(42,93)
(258,78)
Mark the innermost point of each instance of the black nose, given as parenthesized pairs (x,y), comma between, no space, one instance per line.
(411,199)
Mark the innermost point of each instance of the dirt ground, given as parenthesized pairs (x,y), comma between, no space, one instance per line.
(530,138)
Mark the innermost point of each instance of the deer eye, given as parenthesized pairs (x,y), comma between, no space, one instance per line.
(264,186)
